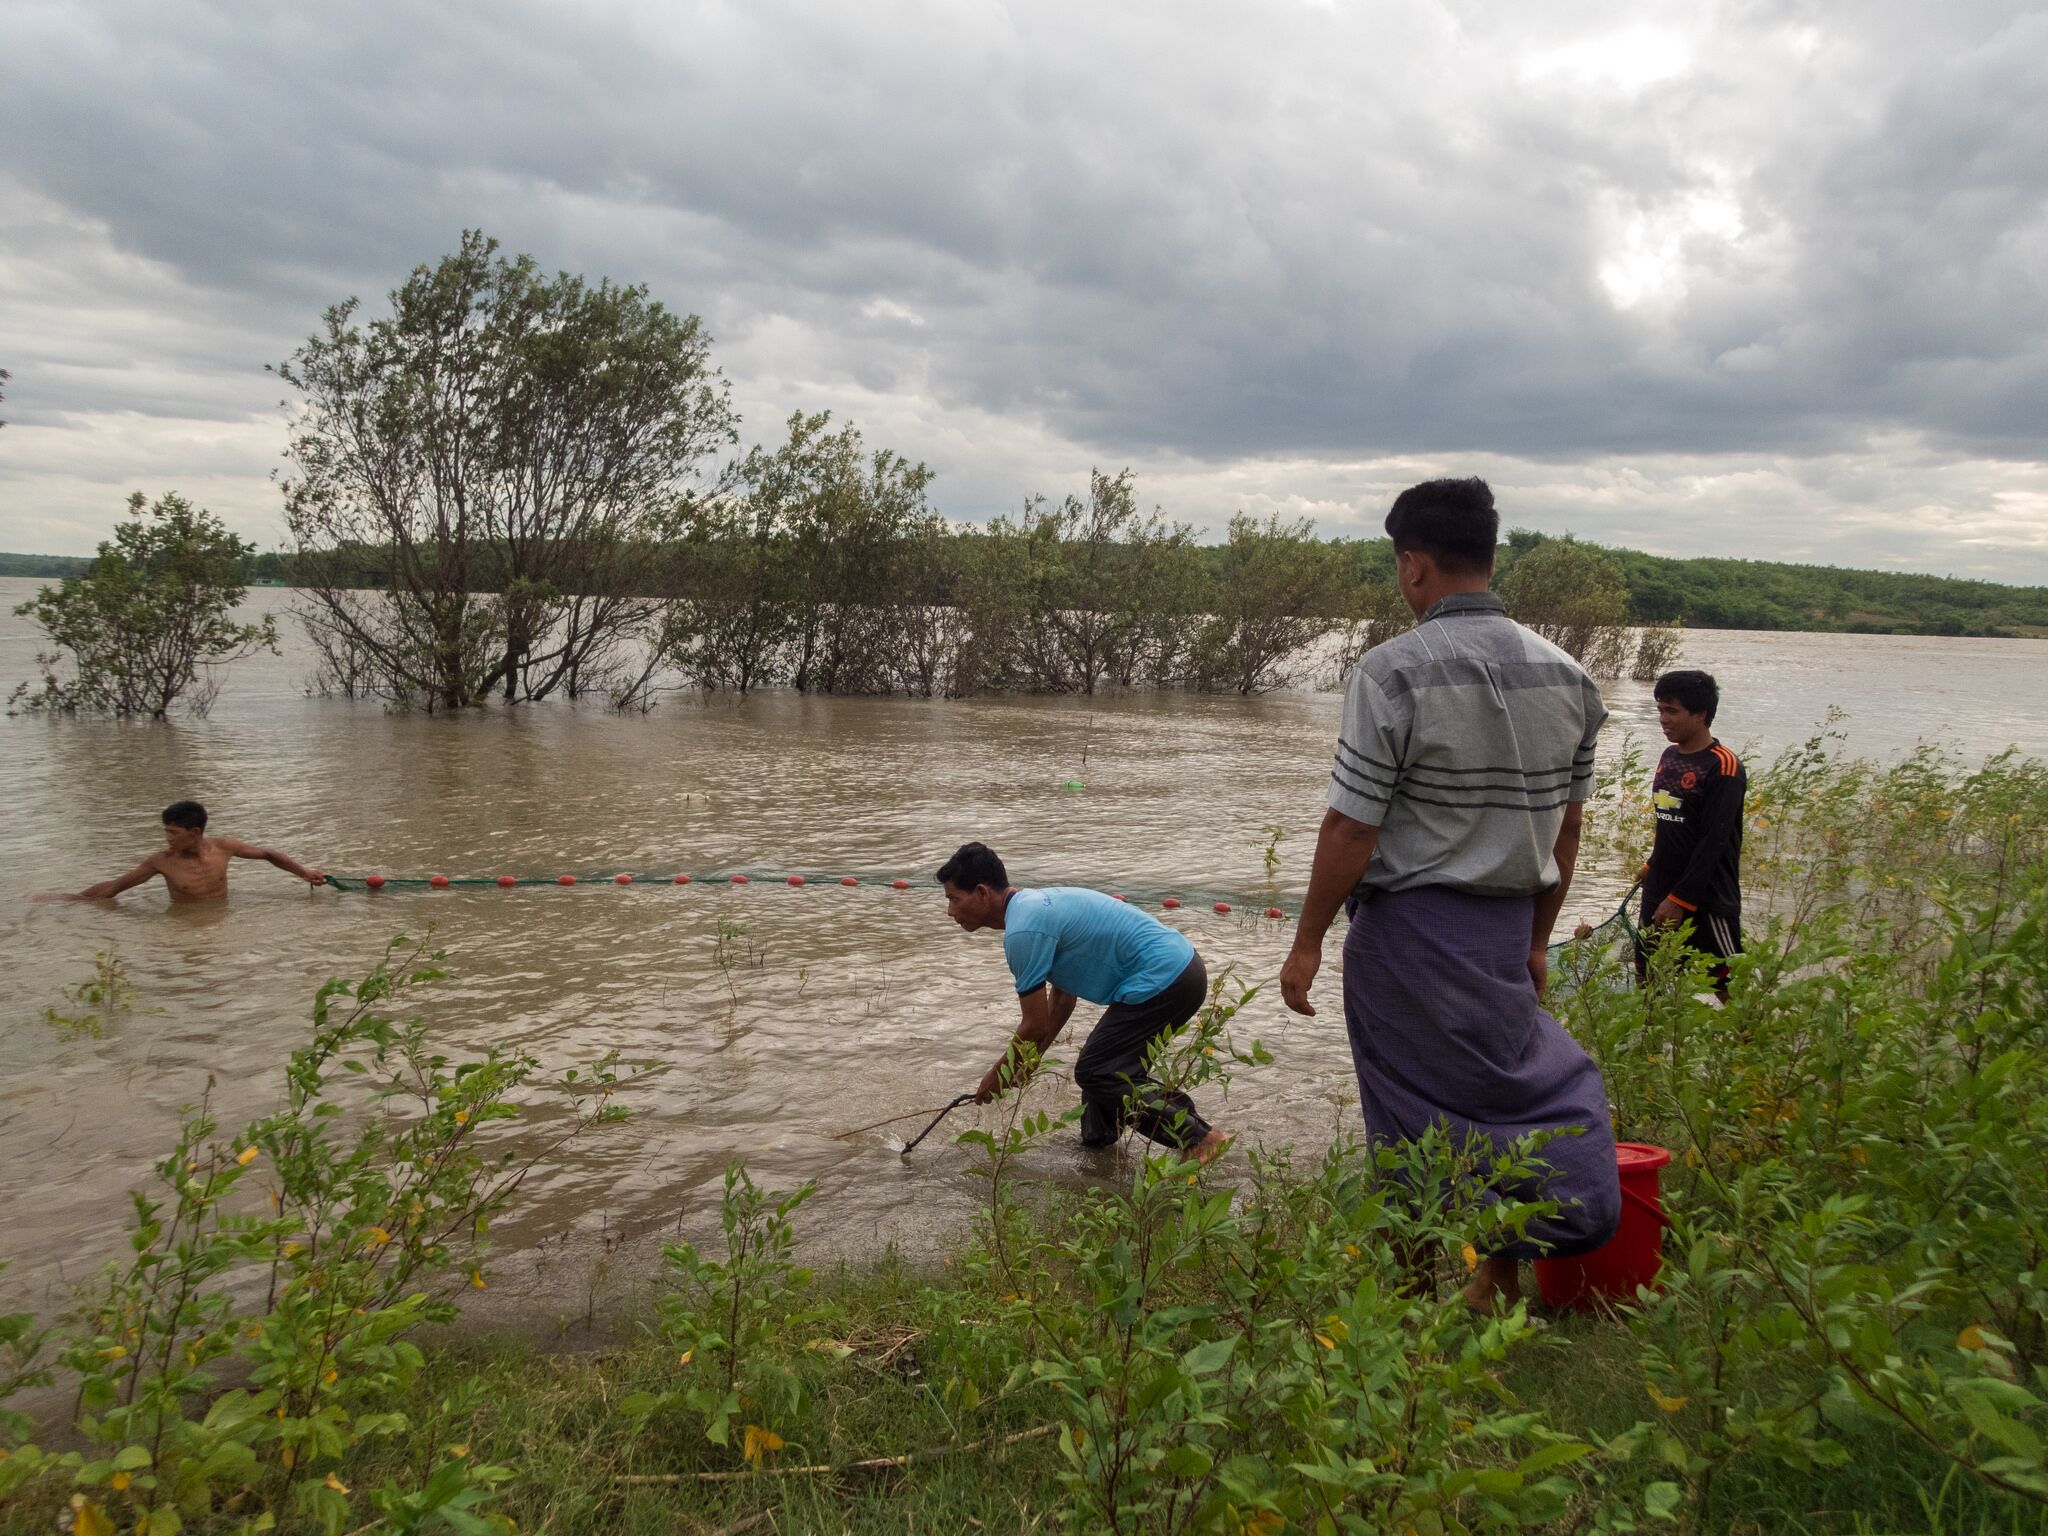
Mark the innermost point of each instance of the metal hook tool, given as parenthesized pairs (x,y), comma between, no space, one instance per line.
(911,1145)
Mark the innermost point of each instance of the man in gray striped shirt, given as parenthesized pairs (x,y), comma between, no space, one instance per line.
(1455,799)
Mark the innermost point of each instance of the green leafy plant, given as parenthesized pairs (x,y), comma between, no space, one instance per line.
(1862,1162)
(1275,832)
(727,1313)
(259,1329)
(141,629)
(97,1001)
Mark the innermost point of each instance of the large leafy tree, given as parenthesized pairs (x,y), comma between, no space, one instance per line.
(1279,591)
(1576,597)
(142,629)
(501,458)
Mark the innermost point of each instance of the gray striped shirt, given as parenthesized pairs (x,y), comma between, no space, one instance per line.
(1463,741)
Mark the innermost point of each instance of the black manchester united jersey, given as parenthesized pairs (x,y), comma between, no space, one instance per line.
(1697,858)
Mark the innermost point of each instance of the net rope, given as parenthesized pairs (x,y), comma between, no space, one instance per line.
(1583,953)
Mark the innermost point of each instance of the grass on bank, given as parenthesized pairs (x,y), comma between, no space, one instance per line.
(555,1418)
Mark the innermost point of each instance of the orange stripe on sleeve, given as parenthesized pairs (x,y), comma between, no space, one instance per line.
(1678,901)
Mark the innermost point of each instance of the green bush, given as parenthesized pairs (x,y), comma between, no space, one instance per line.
(141,629)
(259,1330)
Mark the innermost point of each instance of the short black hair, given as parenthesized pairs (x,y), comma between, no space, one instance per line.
(1695,691)
(1452,521)
(189,814)
(974,864)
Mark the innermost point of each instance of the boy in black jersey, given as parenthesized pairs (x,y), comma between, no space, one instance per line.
(1695,870)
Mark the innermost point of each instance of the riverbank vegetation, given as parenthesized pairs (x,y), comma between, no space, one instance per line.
(1848,1334)
(1698,592)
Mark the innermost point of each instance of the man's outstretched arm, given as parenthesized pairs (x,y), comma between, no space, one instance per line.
(1343,849)
(283,861)
(1045,1011)
(141,872)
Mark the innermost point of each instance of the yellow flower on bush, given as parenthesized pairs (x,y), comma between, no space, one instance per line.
(1470,1255)
(88,1519)
(462,1117)
(120,1480)
(759,1442)
(476,1280)
(379,1236)
(336,1483)
(248,1156)
(1971,1337)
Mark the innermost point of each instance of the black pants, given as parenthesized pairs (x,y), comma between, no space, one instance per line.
(1712,934)
(1110,1071)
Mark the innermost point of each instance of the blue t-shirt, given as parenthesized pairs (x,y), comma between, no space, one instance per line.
(1091,945)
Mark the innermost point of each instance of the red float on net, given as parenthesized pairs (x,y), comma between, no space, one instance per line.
(565,879)
(1116,895)
(622,879)
(739,879)
(508,881)
(374,882)
(796,879)
(1170,903)
(682,879)
(1274,912)
(1223,906)
(848,880)
(439,882)
(899,885)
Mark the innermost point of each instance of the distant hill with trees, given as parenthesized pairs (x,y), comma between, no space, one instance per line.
(47,566)
(1771,594)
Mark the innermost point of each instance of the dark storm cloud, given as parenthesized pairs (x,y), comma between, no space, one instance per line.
(1188,235)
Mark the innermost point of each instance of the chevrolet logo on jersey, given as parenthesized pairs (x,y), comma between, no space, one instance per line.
(1664,800)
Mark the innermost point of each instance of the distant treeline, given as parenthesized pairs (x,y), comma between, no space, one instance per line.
(1698,593)
(1770,594)
(48,566)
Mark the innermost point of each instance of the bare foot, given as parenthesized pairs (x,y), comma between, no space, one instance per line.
(1495,1287)
(1209,1147)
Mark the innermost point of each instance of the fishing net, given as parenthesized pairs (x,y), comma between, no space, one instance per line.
(1249,906)
(1597,954)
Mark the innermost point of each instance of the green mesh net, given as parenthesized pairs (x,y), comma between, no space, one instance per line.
(1597,954)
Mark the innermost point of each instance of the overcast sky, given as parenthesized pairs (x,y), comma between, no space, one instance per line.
(1755,278)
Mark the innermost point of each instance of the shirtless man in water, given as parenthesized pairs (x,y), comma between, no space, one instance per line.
(193,865)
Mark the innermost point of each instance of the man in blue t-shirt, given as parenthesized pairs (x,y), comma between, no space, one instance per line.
(1064,945)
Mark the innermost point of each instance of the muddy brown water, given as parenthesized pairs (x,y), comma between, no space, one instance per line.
(845,1005)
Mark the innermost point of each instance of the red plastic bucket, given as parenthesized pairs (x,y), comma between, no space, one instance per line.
(1632,1256)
